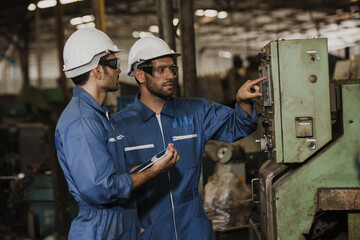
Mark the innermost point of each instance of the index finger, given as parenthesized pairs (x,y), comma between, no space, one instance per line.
(258,80)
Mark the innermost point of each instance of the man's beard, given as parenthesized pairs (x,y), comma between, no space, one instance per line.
(111,87)
(157,91)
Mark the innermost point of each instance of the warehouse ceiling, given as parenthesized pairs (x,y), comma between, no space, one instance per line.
(249,24)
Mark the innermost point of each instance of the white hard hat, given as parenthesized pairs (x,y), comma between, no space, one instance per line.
(83,50)
(147,48)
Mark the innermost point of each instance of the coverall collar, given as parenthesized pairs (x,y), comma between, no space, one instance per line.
(146,113)
(86,97)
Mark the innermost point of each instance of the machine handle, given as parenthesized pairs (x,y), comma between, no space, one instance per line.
(252,190)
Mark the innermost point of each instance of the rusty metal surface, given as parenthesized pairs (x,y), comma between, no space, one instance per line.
(267,173)
(338,199)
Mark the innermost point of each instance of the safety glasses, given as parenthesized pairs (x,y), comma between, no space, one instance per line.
(160,71)
(113,63)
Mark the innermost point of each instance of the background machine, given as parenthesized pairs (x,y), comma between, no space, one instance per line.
(309,188)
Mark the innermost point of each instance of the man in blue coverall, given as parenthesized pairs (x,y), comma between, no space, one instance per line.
(89,144)
(169,206)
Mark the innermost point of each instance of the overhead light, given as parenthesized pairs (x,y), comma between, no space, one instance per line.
(69,1)
(88,18)
(144,34)
(222,15)
(262,19)
(76,21)
(86,25)
(136,34)
(21,175)
(200,12)
(31,7)
(210,13)
(349,24)
(175,21)
(81,20)
(225,54)
(154,29)
(50,3)
(282,12)
(330,27)
(46,3)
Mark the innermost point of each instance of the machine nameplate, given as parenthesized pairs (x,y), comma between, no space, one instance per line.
(304,127)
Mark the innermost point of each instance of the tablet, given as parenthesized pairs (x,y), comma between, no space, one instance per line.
(149,163)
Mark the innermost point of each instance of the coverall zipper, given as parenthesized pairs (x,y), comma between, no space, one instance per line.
(171,196)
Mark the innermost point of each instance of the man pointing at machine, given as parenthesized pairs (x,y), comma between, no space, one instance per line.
(169,206)
(88,146)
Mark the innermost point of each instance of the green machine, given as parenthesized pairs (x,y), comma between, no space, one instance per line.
(309,188)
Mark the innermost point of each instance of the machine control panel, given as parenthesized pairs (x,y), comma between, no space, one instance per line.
(266,86)
(295,100)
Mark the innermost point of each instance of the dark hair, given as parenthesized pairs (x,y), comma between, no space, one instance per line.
(102,65)
(83,78)
(146,63)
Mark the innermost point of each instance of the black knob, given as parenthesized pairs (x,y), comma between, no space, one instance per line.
(265,123)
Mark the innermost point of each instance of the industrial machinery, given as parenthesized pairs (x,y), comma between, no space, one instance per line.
(309,188)
(34,198)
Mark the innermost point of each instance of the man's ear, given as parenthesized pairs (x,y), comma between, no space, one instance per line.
(98,71)
(139,75)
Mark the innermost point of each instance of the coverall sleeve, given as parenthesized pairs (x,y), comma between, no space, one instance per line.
(226,124)
(91,165)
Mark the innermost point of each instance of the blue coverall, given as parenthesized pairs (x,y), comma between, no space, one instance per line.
(92,159)
(169,206)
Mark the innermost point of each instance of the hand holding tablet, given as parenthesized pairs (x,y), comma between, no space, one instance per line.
(149,163)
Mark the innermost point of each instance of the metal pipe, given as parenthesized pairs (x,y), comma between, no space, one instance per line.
(24,52)
(165,18)
(167,30)
(99,9)
(58,180)
(188,48)
(60,46)
(38,46)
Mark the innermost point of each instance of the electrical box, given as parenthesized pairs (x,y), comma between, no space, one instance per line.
(296,99)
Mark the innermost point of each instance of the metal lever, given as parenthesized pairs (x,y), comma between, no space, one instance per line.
(252,190)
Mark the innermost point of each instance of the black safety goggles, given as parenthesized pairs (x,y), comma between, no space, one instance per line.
(113,63)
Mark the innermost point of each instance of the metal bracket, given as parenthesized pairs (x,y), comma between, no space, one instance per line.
(252,190)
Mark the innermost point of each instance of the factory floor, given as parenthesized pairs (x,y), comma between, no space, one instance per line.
(9,237)
(219,235)
(229,235)
(20,234)
(240,233)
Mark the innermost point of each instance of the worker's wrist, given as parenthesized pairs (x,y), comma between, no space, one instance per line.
(152,172)
(244,101)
